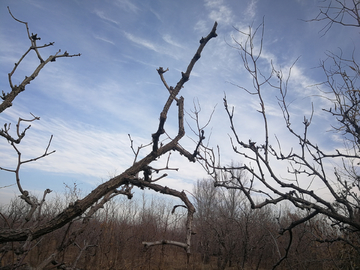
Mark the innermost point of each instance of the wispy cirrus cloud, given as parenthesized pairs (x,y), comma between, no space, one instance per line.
(127,5)
(142,42)
(80,148)
(104,39)
(167,38)
(161,49)
(101,15)
(156,14)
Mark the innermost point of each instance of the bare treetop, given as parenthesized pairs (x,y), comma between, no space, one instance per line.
(8,98)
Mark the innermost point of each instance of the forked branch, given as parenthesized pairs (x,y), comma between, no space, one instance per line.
(8,98)
(129,177)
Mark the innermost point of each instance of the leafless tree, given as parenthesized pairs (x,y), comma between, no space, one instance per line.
(307,164)
(230,232)
(342,12)
(140,174)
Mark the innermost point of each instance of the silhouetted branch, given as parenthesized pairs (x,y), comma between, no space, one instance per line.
(8,98)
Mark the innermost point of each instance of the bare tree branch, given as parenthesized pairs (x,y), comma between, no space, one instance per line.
(342,12)
(8,98)
(120,184)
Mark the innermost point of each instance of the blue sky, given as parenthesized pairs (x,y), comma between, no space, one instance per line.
(91,103)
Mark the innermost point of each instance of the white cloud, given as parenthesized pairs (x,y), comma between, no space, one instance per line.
(80,148)
(251,9)
(104,39)
(219,11)
(166,50)
(201,26)
(142,42)
(127,5)
(169,39)
(102,15)
(156,14)
(221,15)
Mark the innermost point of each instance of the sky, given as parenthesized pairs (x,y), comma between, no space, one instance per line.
(91,103)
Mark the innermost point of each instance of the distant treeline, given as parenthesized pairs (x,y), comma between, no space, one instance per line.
(228,234)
